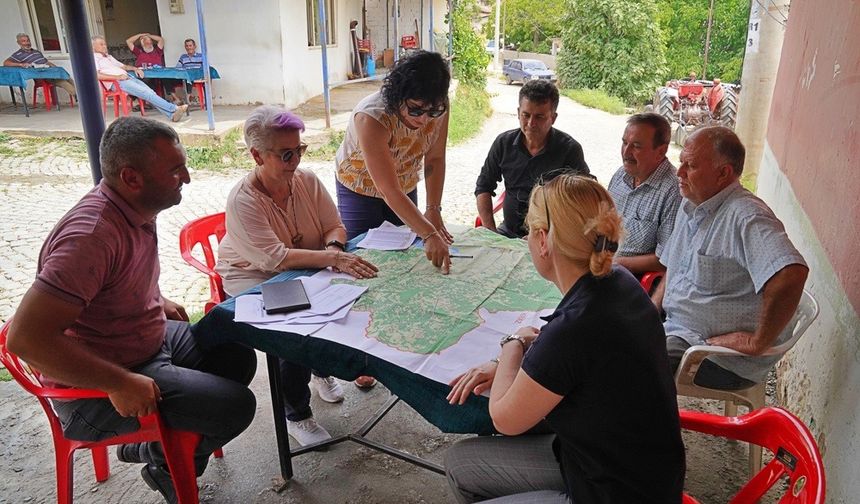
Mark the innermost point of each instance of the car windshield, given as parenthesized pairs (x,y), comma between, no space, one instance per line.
(534,65)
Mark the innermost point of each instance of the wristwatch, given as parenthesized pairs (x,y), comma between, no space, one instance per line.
(512,337)
(335,243)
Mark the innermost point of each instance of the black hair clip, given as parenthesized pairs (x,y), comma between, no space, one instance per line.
(603,243)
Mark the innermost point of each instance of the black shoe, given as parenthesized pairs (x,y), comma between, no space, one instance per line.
(158,479)
(129,453)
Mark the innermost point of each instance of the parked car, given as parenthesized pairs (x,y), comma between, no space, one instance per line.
(491,46)
(524,70)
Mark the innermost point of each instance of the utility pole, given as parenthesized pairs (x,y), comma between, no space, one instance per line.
(497,49)
(708,39)
(765,32)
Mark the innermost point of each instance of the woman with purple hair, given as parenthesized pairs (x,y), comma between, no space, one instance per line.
(280,217)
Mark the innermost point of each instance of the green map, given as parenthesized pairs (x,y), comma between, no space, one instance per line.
(416,309)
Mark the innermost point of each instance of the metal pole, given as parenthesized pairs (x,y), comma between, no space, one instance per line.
(84,68)
(201,28)
(396,30)
(497,50)
(450,33)
(432,37)
(323,42)
(708,39)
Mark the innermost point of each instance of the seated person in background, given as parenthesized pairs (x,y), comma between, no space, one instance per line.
(95,317)
(280,217)
(601,348)
(149,54)
(26,57)
(733,278)
(645,190)
(520,157)
(108,68)
(190,60)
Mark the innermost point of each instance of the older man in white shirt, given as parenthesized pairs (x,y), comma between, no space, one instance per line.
(109,68)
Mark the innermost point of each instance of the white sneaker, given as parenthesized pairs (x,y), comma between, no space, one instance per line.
(328,388)
(307,431)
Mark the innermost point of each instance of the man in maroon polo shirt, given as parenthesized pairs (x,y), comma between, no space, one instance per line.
(95,317)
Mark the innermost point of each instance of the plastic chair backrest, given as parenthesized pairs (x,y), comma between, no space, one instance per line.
(498,206)
(806,313)
(796,453)
(199,232)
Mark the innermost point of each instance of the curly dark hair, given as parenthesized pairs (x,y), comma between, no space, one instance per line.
(422,75)
(540,91)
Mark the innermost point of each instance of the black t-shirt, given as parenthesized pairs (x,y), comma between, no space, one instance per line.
(618,434)
(509,159)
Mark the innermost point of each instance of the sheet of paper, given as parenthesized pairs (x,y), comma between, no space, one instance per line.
(327,304)
(332,298)
(388,237)
(303,329)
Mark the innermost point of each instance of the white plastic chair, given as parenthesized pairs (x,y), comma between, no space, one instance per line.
(752,397)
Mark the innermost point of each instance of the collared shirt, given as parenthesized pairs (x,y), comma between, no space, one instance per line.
(718,260)
(32,56)
(108,65)
(604,346)
(509,159)
(648,210)
(103,256)
(190,62)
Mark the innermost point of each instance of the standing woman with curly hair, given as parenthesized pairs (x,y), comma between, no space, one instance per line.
(396,137)
(597,372)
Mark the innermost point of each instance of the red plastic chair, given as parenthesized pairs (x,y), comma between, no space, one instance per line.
(111,89)
(498,206)
(178,445)
(796,455)
(649,278)
(48,93)
(199,232)
(200,88)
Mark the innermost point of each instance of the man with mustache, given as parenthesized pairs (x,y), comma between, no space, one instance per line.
(26,57)
(535,152)
(645,190)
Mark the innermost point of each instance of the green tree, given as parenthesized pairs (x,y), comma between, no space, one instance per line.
(613,45)
(470,57)
(530,25)
(684,26)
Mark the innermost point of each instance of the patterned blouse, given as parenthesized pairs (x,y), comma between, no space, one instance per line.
(408,148)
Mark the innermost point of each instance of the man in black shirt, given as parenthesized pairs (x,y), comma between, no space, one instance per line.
(522,157)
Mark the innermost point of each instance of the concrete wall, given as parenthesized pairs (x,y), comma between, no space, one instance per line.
(128,18)
(809,176)
(12,22)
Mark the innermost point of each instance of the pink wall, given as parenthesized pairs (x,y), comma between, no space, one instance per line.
(813,127)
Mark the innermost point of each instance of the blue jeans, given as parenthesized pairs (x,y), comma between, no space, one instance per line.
(136,87)
(360,213)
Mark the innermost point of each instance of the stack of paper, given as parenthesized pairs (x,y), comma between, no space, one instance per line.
(328,303)
(388,237)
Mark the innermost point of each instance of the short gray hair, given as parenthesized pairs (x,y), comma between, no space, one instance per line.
(266,119)
(22,34)
(128,142)
(96,37)
(727,146)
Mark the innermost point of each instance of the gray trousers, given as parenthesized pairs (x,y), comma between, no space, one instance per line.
(709,374)
(516,469)
(202,391)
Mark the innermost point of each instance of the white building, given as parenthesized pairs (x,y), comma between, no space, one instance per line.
(266,51)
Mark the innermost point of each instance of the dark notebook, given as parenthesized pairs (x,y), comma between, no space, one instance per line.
(285,297)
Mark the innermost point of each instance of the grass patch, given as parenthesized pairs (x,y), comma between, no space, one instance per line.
(469,109)
(40,148)
(596,98)
(326,151)
(4,375)
(220,155)
(749,181)
(195,317)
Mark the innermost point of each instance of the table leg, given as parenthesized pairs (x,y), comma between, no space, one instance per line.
(24,102)
(14,101)
(281,433)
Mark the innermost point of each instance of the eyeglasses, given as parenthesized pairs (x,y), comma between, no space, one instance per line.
(433,112)
(287,154)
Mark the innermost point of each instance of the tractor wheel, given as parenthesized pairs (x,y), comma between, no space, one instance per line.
(727,110)
(679,137)
(663,104)
(508,80)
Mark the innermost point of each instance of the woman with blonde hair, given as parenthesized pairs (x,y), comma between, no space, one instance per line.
(597,372)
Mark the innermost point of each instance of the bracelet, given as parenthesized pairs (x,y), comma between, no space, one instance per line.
(435,232)
(434,207)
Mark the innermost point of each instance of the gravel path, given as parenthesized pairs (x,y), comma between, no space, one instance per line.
(36,191)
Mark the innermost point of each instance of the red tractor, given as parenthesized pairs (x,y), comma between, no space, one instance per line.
(694,104)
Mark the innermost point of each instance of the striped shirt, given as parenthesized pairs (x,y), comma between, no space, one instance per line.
(718,260)
(187,62)
(32,56)
(648,210)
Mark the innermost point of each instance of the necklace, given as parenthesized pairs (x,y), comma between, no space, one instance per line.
(289,204)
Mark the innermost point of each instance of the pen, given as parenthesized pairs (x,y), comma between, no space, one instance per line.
(461,256)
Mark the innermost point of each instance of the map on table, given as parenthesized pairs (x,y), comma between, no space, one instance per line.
(413,308)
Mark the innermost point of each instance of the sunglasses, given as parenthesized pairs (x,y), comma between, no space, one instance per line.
(433,112)
(287,155)
(548,177)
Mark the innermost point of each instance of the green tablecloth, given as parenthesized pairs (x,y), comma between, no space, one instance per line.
(188,75)
(18,77)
